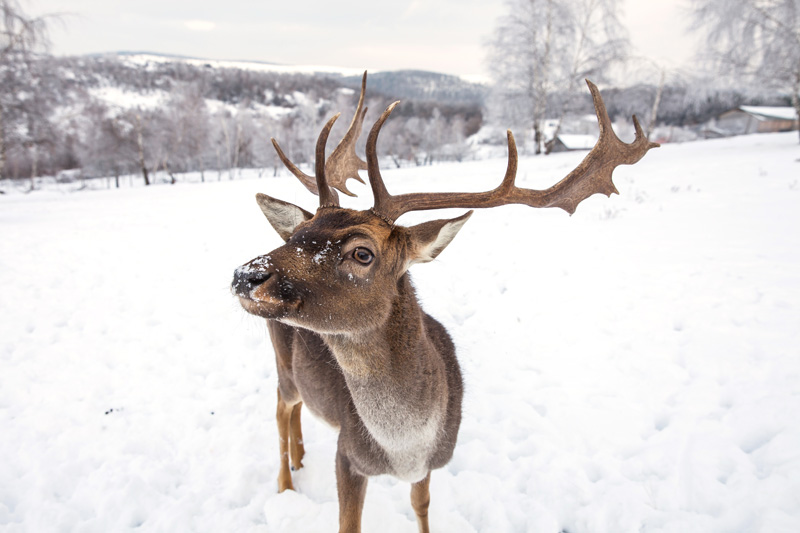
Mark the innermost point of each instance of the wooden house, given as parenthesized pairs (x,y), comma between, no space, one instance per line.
(757,119)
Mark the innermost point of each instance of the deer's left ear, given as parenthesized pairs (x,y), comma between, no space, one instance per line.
(430,238)
(283,216)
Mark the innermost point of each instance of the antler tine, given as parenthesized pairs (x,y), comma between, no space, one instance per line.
(327,196)
(511,169)
(382,198)
(309,182)
(592,175)
(343,162)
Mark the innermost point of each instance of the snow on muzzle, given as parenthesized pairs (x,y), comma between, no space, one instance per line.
(250,275)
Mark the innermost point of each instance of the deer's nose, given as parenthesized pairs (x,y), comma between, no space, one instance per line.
(246,279)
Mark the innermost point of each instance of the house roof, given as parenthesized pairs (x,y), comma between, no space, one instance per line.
(770,113)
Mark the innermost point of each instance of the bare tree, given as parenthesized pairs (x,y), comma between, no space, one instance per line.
(402,139)
(264,155)
(109,147)
(234,139)
(757,41)
(139,129)
(521,58)
(599,41)
(541,47)
(655,91)
(21,36)
(181,131)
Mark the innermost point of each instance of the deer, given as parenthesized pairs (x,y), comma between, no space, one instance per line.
(351,341)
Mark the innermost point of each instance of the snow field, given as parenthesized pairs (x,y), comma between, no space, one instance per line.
(633,367)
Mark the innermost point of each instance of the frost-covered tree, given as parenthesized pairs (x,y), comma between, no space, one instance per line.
(757,41)
(600,41)
(182,130)
(109,148)
(540,51)
(653,94)
(21,36)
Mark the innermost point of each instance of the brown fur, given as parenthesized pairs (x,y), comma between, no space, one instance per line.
(353,345)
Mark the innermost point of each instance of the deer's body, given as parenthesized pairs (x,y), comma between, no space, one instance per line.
(351,340)
(402,423)
(353,344)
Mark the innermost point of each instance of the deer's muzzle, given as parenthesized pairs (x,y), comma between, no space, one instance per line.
(263,291)
(246,279)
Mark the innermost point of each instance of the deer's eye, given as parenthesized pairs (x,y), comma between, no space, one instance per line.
(363,256)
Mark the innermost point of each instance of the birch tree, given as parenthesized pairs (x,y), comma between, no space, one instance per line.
(541,49)
(20,37)
(758,41)
(599,41)
(521,58)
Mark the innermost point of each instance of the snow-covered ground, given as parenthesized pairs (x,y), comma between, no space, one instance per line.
(634,367)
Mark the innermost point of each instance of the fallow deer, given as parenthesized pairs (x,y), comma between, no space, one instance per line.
(351,340)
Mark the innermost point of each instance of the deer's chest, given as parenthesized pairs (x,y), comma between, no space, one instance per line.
(407,431)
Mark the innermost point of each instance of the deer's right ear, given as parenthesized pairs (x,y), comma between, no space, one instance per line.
(283,216)
(430,238)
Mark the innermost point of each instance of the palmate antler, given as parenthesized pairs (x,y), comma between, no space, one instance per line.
(343,163)
(593,175)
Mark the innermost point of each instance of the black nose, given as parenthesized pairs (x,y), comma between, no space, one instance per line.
(245,279)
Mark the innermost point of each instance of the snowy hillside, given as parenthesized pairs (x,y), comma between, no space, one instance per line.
(414,84)
(146,59)
(110,115)
(634,367)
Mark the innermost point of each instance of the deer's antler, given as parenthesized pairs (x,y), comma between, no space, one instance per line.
(592,175)
(343,163)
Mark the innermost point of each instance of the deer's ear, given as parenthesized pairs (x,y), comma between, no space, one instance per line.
(430,238)
(283,216)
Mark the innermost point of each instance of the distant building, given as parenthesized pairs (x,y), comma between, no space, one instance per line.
(757,119)
(568,142)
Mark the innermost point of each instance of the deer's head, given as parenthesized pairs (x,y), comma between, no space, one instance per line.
(340,267)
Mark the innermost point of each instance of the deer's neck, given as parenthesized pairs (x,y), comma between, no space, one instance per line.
(397,381)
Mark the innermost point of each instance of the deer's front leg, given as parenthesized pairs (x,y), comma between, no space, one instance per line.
(420,499)
(283,416)
(296,438)
(352,487)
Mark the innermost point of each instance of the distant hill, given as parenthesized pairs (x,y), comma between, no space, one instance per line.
(425,86)
(404,84)
(123,112)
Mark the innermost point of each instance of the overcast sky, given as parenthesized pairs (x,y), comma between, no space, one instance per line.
(438,35)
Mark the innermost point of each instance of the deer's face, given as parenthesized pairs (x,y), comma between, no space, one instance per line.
(328,277)
(338,270)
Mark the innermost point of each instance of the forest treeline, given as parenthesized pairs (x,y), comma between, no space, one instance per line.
(109,116)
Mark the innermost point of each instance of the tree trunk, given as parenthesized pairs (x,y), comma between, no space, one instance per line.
(583,29)
(140,142)
(228,147)
(219,163)
(2,146)
(656,102)
(537,137)
(237,147)
(34,164)
(796,101)
(538,134)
